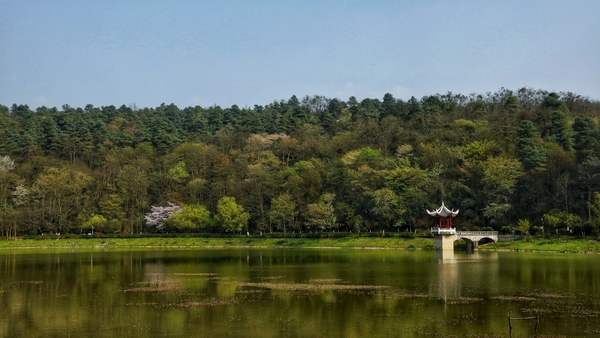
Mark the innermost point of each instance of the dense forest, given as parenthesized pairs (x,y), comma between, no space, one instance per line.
(521,159)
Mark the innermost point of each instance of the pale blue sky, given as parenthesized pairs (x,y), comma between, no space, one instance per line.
(229,52)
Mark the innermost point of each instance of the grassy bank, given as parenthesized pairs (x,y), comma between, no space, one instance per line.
(553,244)
(541,244)
(159,242)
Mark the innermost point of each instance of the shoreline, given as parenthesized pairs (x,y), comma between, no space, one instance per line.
(588,245)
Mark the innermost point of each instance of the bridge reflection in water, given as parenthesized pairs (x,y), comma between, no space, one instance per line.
(462,277)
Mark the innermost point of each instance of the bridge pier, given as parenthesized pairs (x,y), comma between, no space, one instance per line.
(443,242)
(472,246)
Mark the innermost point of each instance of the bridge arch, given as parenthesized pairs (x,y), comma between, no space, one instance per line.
(444,238)
(471,245)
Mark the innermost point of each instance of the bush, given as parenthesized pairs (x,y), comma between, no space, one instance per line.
(95,222)
(192,218)
(506,230)
(111,227)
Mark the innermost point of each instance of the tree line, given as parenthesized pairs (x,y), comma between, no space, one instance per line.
(513,158)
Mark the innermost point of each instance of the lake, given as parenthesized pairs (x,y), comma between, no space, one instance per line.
(295,293)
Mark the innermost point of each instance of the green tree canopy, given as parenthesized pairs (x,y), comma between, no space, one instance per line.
(231,216)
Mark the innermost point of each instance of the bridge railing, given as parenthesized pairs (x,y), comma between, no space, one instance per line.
(443,231)
(477,233)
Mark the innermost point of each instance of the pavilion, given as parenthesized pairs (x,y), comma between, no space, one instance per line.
(445,217)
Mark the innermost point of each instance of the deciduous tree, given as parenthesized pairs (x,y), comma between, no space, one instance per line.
(231,216)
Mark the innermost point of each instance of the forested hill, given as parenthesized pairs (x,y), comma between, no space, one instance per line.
(508,158)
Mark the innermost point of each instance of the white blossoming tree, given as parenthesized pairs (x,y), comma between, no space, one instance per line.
(158,215)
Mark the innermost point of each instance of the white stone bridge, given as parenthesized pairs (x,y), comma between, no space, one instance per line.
(444,238)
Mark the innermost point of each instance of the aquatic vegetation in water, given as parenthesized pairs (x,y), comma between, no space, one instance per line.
(194,274)
(209,302)
(307,286)
(27,282)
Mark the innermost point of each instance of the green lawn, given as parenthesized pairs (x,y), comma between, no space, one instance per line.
(343,242)
(554,244)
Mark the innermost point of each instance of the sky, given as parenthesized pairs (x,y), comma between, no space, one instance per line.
(244,52)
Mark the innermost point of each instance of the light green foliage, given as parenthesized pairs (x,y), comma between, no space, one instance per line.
(59,192)
(112,207)
(231,216)
(113,226)
(500,177)
(321,215)
(480,150)
(302,166)
(595,207)
(195,189)
(345,119)
(523,226)
(410,184)
(385,204)
(283,210)
(364,156)
(95,222)
(178,172)
(192,218)
(133,181)
(194,157)
(562,219)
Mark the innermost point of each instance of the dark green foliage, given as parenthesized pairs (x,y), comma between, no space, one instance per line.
(586,138)
(529,149)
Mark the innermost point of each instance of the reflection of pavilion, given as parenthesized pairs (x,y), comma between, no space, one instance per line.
(444,256)
(459,275)
(446,281)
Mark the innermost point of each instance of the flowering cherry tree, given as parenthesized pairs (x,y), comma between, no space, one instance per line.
(158,215)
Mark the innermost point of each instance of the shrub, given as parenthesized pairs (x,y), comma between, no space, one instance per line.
(95,222)
(113,226)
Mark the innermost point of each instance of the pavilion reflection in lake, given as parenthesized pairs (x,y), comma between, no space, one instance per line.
(454,273)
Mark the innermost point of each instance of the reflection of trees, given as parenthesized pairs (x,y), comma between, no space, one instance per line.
(269,293)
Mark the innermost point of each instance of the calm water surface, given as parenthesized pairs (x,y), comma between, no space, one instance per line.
(295,293)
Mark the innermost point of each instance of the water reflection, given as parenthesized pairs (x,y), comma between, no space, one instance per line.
(293,293)
(444,256)
(444,283)
(457,273)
